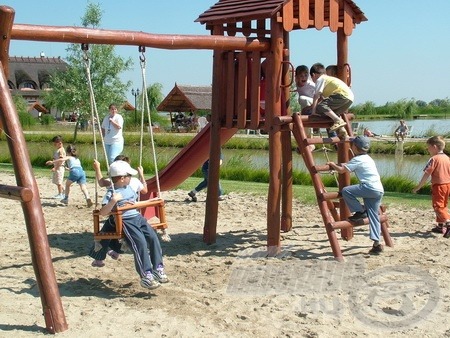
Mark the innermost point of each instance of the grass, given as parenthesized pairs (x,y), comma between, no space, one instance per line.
(303,193)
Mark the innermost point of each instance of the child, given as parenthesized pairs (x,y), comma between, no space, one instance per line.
(438,167)
(305,88)
(203,184)
(337,96)
(76,174)
(140,237)
(58,167)
(138,186)
(370,189)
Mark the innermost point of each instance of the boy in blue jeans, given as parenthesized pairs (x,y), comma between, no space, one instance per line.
(141,238)
(370,189)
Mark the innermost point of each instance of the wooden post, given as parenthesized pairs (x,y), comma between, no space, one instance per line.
(217,108)
(273,108)
(55,319)
(286,151)
(343,148)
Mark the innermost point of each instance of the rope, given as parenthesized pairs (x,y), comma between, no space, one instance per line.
(94,115)
(325,150)
(145,103)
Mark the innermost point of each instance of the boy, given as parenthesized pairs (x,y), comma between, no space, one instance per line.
(141,238)
(58,166)
(305,88)
(370,189)
(438,167)
(336,96)
(138,185)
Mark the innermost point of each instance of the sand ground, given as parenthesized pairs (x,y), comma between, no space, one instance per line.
(229,289)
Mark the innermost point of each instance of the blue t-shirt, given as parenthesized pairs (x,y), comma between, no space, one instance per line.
(128,197)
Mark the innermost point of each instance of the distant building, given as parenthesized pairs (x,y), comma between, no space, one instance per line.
(29,77)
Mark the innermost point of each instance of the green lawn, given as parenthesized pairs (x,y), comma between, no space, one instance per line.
(305,194)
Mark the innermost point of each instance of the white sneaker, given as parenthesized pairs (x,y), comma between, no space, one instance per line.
(160,275)
(149,282)
(337,124)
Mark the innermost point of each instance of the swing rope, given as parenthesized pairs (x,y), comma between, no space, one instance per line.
(94,115)
(145,103)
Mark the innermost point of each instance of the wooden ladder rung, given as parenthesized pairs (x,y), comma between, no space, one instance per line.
(327,196)
(346,224)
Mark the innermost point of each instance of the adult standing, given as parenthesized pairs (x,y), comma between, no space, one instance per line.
(112,133)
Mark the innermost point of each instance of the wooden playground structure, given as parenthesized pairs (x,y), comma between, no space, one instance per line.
(263,28)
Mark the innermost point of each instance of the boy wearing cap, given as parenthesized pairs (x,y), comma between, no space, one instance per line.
(369,189)
(141,238)
(332,96)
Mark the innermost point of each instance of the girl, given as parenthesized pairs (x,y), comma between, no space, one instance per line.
(76,174)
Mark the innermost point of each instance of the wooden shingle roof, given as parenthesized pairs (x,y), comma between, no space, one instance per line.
(295,14)
(184,98)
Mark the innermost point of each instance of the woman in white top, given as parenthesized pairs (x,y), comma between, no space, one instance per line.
(112,133)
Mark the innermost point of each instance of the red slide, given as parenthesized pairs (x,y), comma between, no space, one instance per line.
(187,161)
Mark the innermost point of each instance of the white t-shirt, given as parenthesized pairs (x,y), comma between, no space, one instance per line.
(307,89)
(112,134)
(365,169)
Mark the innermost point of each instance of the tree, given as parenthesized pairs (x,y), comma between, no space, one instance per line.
(70,91)
(155,96)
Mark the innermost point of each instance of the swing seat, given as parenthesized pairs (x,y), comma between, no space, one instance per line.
(156,203)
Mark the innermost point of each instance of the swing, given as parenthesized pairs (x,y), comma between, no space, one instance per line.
(157,203)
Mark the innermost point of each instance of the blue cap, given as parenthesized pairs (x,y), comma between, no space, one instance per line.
(361,142)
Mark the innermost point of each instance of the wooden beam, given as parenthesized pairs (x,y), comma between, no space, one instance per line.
(133,38)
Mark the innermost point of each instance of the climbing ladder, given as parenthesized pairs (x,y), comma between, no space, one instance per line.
(334,211)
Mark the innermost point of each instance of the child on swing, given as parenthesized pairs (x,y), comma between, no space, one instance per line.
(140,237)
(138,185)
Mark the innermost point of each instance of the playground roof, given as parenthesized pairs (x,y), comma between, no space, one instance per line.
(184,98)
(320,13)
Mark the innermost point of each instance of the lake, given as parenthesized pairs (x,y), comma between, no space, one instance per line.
(418,127)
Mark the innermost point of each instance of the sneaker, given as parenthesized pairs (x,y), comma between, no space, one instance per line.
(98,264)
(192,196)
(160,276)
(149,282)
(221,198)
(376,249)
(438,229)
(357,216)
(65,201)
(447,232)
(89,203)
(114,255)
(58,197)
(337,124)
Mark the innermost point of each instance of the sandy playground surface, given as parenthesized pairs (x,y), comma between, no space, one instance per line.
(229,289)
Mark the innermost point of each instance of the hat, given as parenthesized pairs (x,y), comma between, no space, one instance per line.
(121,168)
(361,142)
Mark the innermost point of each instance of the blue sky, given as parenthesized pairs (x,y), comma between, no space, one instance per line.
(401,52)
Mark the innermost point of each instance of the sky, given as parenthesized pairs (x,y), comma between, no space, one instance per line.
(401,52)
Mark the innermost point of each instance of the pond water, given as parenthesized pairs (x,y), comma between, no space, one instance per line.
(418,127)
(388,165)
